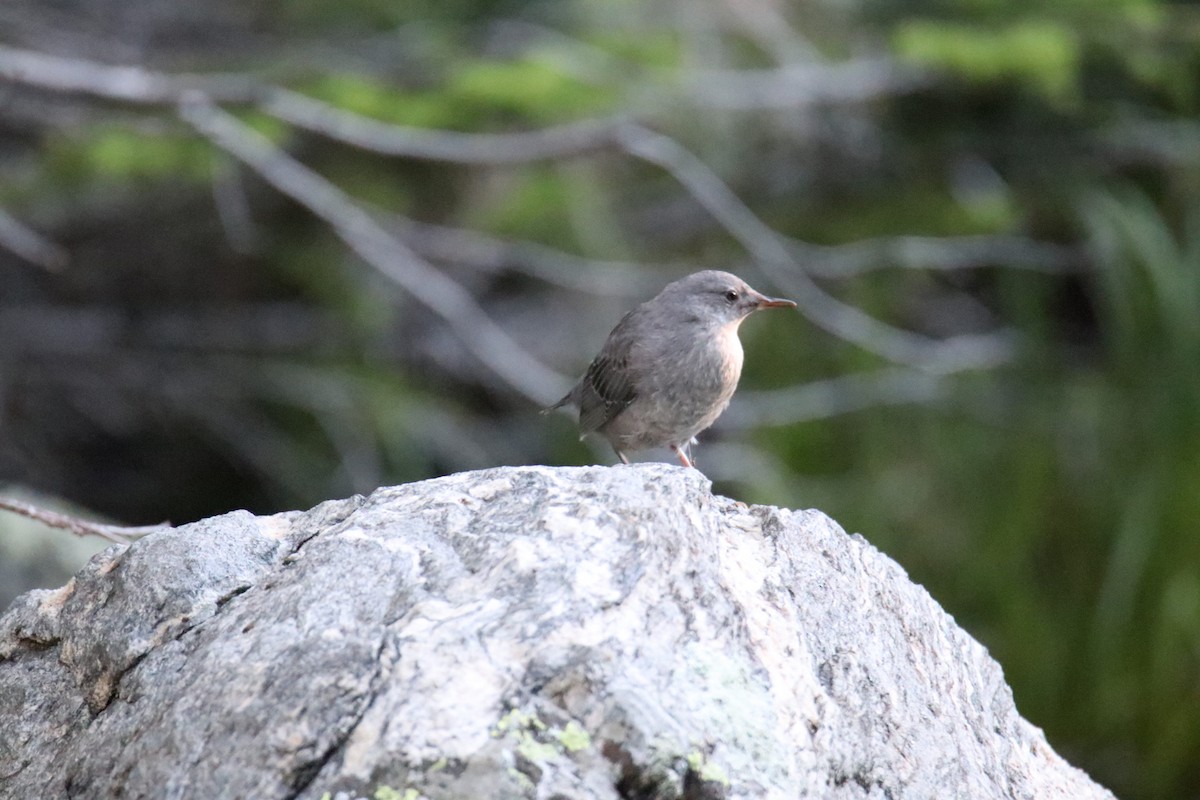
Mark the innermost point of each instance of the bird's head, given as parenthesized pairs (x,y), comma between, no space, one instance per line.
(717,298)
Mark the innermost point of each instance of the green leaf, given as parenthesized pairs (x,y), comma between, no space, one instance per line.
(533,88)
(371,98)
(132,154)
(1040,54)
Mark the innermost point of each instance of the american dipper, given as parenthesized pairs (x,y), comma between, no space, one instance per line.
(670,367)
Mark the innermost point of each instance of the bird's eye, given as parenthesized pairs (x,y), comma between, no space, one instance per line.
(732,295)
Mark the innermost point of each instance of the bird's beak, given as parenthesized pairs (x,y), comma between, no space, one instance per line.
(762,301)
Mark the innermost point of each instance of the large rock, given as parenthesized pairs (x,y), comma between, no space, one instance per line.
(512,633)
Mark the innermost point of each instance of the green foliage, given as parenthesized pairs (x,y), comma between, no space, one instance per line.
(533,204)
(913,208)
(1150,282)
(1040,54)
(274,130)
(536,89)
(122,153)
(1150,430)
(126,154)
(1053,508)
(371,98)
(474,93)
(650,49)
(376,15)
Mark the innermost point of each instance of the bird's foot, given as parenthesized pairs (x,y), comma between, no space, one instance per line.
(683,455)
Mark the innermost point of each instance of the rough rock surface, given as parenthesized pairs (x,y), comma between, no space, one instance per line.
(512,633)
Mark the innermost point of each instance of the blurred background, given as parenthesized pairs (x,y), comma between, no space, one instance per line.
(259,254)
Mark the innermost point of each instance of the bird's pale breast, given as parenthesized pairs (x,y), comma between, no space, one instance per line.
(684,394)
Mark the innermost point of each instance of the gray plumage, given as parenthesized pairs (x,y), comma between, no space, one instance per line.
(670,366)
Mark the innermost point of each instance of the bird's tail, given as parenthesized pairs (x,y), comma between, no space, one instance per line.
(567,398)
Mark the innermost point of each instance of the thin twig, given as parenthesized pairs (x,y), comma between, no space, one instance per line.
(20,239)
(81,527)
(772,254)
(123,83)
(440,145)
(366,237)
(131,84)
(803,84)
(556,267)
(936,253)
(233,210)
(765,22)
(139,85)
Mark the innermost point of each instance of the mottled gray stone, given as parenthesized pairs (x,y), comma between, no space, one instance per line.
(512,633)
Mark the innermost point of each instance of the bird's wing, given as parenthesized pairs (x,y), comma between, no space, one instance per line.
(607,388)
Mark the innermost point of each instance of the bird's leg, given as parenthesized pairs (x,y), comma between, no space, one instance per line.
(620,455)
(683,456)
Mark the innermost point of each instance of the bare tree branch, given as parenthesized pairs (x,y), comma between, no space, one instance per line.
(23,241)
(366,237)
(765,22)
(938,253)
(123,83)
(137,85)
(439,145)
(233,210)
(556,267)
(773,256)
(802,84)
(80,527)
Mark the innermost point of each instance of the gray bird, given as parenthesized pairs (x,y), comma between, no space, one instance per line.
(670,367)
